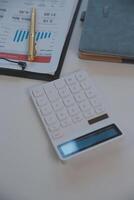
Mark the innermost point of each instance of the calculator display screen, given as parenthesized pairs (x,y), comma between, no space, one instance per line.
(89,140)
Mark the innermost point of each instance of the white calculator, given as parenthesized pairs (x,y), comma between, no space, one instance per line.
(73,115)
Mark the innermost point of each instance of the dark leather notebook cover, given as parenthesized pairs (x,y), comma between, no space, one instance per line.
(108,28)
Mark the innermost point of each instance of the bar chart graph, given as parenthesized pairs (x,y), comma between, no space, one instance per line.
(21,35)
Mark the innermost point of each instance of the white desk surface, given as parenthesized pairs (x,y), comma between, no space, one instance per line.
(29,168)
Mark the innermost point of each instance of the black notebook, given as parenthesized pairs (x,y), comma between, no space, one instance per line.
(108,31)
(54,25)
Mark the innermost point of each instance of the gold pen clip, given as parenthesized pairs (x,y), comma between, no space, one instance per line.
(32,44)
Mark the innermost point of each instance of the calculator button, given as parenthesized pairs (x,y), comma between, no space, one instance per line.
(86,84)
(54,127)
(79,97)
(42,100)
(77,118)
(64,92)
(99,109)
(85,105)
(73,110)
(51,119)
(90,92)
(70,79)
(62,114)
(60,83)
(68,101)
(57,135)
(88,114)
(75,88)
(52,93)
(58,105)
(66,123)
(95,102)
(38,91)
(81,75)
(46,109)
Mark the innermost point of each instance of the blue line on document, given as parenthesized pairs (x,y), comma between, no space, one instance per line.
(38,36)
(49,35)
(23,36)
(18,39)
(45,35)
(15,36)
(42,34)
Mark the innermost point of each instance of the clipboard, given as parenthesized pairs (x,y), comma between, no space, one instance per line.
(46,76)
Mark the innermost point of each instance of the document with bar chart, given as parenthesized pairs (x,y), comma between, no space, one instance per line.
(53,21)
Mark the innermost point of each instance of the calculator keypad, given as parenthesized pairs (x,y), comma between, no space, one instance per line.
(67,101)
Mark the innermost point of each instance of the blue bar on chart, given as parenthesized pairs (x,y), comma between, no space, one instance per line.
(37,36)
(20,36)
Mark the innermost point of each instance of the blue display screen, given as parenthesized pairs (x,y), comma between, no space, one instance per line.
(89,140)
